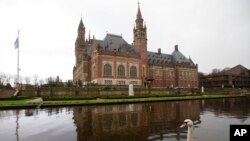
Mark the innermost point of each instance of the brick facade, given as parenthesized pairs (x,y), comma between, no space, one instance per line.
(112,61)
(236,77)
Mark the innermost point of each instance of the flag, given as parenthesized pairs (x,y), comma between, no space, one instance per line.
(17,43)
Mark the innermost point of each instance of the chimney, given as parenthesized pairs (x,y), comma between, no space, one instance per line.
(176,48)
(159,50)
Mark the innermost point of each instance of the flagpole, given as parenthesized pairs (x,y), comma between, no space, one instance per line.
(18,69)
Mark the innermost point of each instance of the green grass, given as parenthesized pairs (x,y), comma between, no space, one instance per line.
(129,100)
(13,102)
(17,102)
(104,100)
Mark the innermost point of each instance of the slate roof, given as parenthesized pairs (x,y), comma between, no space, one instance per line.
(114,42)
(161,59)
(179,58)
(166,59)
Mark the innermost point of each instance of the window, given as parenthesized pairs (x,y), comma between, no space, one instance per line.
(134,119)
(107,70)
(107,121)
(171,74)
(121,82)
(133,72)
(122,119)
(121,71)
(133,82)
(108,82)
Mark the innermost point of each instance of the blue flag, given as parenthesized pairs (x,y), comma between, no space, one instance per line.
(17,43)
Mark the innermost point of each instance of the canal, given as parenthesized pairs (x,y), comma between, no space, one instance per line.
(126,122)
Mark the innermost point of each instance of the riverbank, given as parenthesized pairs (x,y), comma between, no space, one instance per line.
(34,102)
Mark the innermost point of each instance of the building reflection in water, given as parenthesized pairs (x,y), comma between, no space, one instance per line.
(148,121)
(144,121)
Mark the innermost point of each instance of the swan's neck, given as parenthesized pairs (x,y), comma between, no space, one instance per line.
(189,134)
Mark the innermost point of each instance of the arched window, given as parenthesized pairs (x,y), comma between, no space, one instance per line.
(121,71)
(107,70)
(133,72)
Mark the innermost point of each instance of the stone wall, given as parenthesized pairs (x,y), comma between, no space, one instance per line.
(92,91)
(53,91)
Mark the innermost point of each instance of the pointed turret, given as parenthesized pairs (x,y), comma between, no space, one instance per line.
(81,34)
(80,48)
(140,42)
(81,26)
(139,19)
(140,30)
(139,12)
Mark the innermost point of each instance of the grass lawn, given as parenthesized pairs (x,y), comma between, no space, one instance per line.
(18,102)
(130,100)
(30,102)
(14,102)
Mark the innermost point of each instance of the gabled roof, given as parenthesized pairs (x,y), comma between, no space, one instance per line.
(176,57)
(240,67)
(115,42)
(239,70)
(179,58)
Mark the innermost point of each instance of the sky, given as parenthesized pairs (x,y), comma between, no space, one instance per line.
(214,33)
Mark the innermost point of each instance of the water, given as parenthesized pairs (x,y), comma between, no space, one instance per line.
(126,122)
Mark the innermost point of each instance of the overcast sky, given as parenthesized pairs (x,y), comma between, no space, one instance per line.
(214,33)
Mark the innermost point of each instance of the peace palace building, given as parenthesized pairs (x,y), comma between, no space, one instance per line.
(112,61)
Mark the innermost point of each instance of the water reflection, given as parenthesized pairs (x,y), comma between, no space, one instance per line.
(134,121)
(232,107)
(147,121)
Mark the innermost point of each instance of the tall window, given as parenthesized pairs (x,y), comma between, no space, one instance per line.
(121,71)
(107,70)
(133,72)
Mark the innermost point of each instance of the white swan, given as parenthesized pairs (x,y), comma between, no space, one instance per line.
(189,123)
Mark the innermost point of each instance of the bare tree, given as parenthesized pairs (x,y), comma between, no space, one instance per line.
(8,78)
(20,79)
(27,80)
(35,78)
(215,71)
(41,82)
(226,69)
(2,78)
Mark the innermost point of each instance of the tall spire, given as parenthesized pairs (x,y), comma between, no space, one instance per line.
(139,20)
(81,26)
(139,12)
(81,33)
